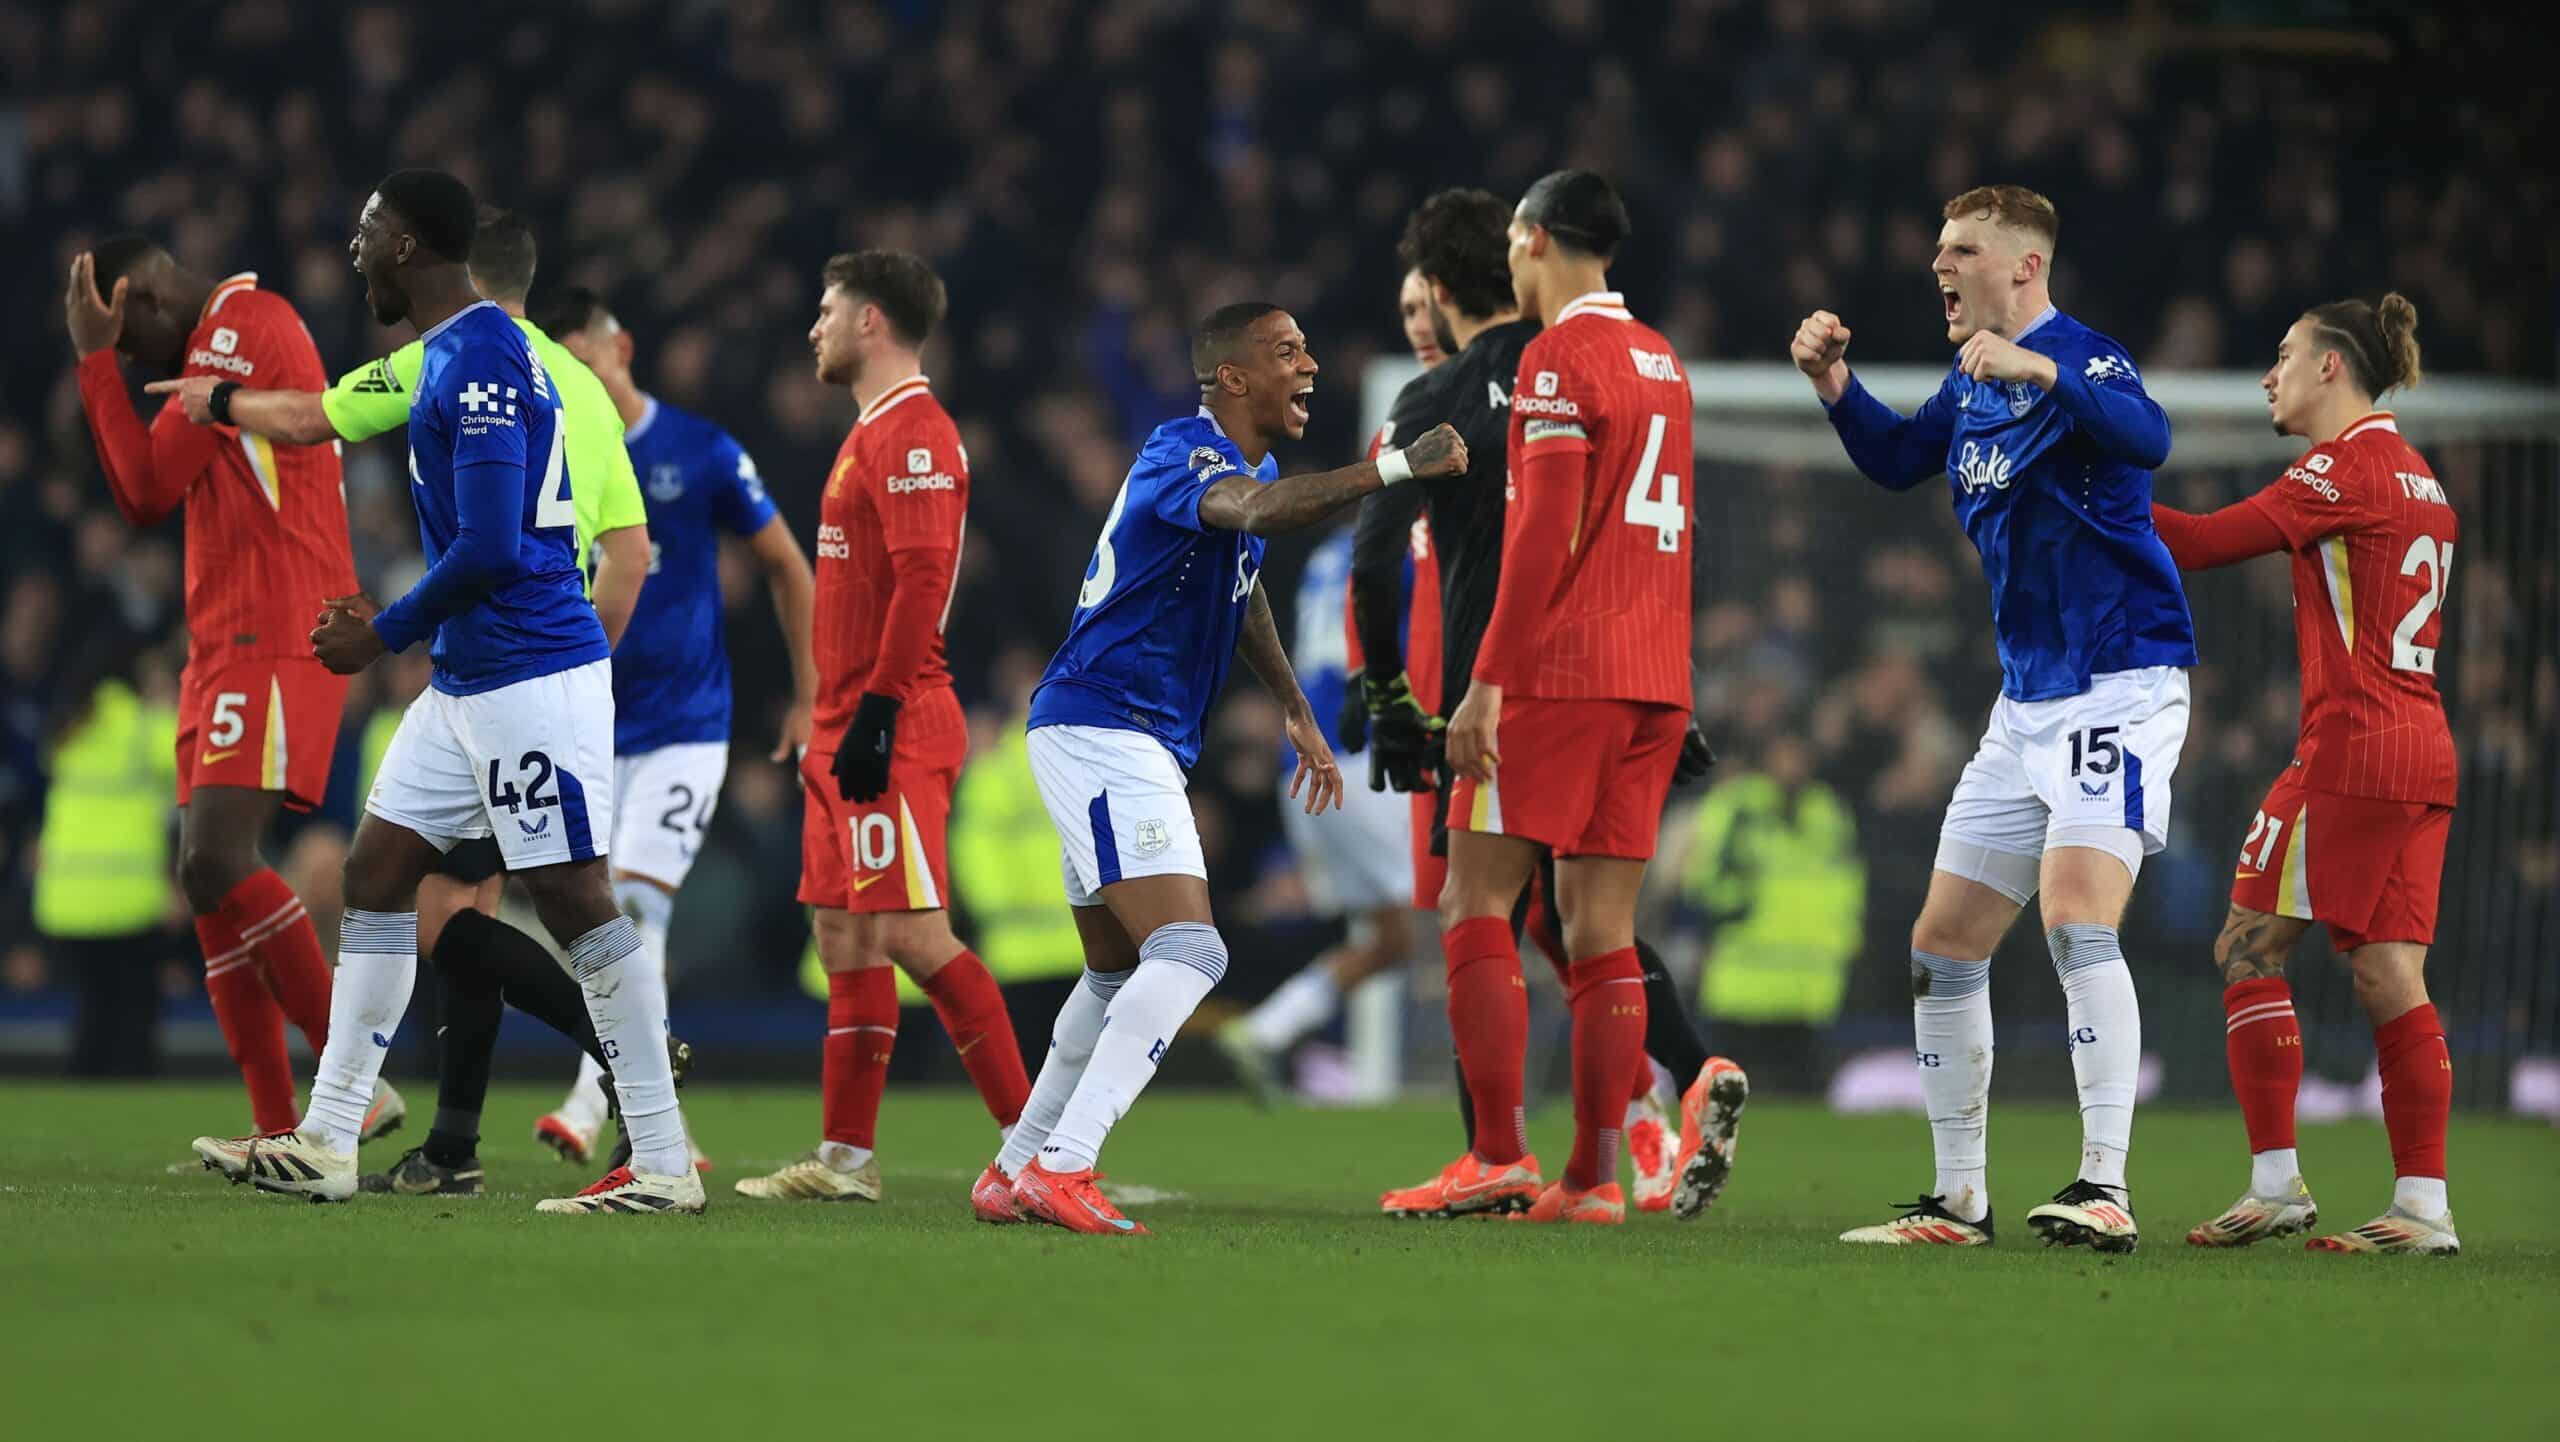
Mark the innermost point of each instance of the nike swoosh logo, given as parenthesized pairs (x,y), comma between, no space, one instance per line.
(1123,1223)
(963,1049)
(207,758)
(865,883)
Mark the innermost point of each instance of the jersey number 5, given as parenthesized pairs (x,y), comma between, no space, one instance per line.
(2435,558)
(1659,513)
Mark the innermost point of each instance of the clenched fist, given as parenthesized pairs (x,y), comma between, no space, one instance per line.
(1440,452)
(1820,349)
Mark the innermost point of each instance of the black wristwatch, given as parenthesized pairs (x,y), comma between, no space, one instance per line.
(219,402)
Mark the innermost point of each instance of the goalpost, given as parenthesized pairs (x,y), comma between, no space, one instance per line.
(1820,574)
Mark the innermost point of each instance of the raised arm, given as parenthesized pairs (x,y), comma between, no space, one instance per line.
(2105,400)
(1292,503)
(148,471)
(1258,642)
(1895,451)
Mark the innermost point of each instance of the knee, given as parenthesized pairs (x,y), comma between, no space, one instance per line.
(207,871)
(1934,936)
(920,943)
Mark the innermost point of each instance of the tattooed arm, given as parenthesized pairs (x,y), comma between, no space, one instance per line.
(1293,503)
(2255,944)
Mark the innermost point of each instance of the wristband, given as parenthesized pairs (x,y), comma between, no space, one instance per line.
(218,404)
(1393,467)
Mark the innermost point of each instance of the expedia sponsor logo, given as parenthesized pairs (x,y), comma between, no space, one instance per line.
(1535,405)
(238,365)
(2312,480)
(938,481)
(832,545)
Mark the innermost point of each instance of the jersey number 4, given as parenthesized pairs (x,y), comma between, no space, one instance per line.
(1658,511)
(553,508)
(2436,559)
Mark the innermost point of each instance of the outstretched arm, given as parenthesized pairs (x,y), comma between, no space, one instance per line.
(293,417)
(1293,503)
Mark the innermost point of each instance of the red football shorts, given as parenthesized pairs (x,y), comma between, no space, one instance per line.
(2368,870)
(1581,778)
(886,854)
(263,723)
(1430,872)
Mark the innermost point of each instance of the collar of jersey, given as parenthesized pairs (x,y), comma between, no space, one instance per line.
(1608,304)
(1207,415)
(2035,325)
(648,417)
(447,323)
(2378,421)
(231,285)
(881,404)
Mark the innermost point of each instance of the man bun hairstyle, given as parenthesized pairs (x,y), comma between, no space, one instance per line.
(2013,206)
(905,289)
(503,254)
(2379,340)
(438,208)
(1581,209)
(1456,238)
(569,309)
(1215,342)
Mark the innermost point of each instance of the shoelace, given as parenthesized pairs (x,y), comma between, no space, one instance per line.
(1924,1207)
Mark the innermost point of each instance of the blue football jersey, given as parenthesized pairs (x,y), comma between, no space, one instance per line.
(1320,649)
(1164,598)
(671,672)
(502,593)
(2054,487)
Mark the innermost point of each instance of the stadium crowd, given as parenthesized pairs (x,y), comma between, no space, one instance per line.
(1088,177)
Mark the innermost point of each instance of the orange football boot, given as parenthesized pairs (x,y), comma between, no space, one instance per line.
(1603,1205)
(991,1199)
(1070,1200)
(1469,1187)
(1710,1127)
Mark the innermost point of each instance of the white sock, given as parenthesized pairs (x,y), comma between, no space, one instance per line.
(585,1104)
(1071,1041)
(2271,1173)
(1177,964)
(2106,1043)
(2418,1196)
(1666,1087)
(843,1156)
(377,964)
(627,1001)
(1303,1003)
(649,907)
(1951,1026)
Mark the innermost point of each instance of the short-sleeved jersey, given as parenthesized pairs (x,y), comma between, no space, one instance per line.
(486,453)
(1605,389)
(374,398)
(2081,585)
(900,483)
(2372,537)
(671,671)
(266,527)
(1163,600)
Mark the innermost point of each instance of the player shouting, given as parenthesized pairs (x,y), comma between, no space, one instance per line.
(519,718)
(2047,441)
(1456,241)
(1582,683)
(885,755)
(266,543)
(1173,591)
(2352,835)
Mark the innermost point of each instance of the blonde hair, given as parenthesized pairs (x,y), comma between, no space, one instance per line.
(2378,339)
(2013,206)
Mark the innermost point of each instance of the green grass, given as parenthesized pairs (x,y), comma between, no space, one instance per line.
(1273,1302)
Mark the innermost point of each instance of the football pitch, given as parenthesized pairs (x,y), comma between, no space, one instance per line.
(139,1301)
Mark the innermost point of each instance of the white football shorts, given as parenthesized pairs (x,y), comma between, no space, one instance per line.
(530,764)
(662,803)
(2089,770)
(1120,806)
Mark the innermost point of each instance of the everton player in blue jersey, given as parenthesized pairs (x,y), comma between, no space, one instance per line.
(2047,441)
(671,671)
(1173,591)
(513,738)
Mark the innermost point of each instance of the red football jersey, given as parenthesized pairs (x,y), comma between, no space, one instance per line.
(900,484)
(266,523)
(1606,391)
(2372,537)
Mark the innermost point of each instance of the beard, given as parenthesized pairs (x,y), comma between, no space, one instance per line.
(1441,334)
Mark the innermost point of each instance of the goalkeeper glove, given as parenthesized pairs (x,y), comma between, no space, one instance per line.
(1697,758)
(862,760)
(1404,739)
(1351,723)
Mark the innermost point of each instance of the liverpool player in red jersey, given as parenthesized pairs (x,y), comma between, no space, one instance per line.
(888,739)
(1582,681)
(266,547)
(2352,835)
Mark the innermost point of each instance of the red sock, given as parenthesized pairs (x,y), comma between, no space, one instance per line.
(268,916)
(1643,1075)
(2263,1040)
(1608,1038)
(252,1025)
(862,1029)
(2417,1090)
(965,996)
(1489,1015)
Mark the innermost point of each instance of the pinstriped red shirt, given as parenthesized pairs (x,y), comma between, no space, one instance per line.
(2372,537)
